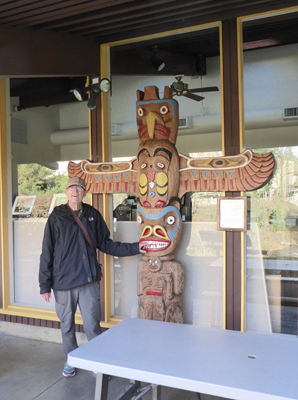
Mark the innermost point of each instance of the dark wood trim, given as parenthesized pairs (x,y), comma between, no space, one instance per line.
(231,147)
(231,87)
(3,172)
(1,282)
(26,53)
(96,132)
(233,280)
(97,199)
(36,322)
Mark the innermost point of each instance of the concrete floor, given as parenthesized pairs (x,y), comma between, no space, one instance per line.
(32,370)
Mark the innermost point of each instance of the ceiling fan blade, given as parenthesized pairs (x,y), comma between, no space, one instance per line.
(206,89)
(193,96)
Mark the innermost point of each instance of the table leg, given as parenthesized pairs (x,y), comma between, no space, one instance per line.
(101,388)
(156,392)
(141,391)
(129,392)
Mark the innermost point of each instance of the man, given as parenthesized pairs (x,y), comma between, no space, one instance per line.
(68,265)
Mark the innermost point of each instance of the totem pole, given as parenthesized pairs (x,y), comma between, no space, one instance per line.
(159,177)
(160,277)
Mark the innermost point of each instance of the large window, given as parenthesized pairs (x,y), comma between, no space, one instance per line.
(196,55)
(41,141)
(271,124)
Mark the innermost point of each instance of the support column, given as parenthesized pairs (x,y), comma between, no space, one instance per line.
(232,147)
(4,267)
(96,156)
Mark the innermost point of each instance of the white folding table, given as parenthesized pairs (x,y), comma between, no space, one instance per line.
(235,365)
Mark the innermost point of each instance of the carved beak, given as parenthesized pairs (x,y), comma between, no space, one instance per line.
(150,120)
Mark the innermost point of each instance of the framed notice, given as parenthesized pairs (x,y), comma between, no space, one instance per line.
(23,205)
(232,214)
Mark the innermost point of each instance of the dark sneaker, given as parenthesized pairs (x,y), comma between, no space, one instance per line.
(68,370)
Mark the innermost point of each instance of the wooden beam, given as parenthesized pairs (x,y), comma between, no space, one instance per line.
(28,54)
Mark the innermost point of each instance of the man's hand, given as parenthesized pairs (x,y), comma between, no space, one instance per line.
(46,296)
(142,247)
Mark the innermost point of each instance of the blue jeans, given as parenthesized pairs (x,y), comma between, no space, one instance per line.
(88,299)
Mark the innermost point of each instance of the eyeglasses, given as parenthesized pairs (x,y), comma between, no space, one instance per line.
(78,188)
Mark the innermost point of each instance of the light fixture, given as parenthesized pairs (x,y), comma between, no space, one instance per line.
(92,102)
(104,85)
(79,93)
(156,61)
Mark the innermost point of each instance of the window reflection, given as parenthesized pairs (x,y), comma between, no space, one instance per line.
(270,102)
(199,134)
(272,245)
(41,147)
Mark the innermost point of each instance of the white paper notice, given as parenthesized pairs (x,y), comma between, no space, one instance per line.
(232,214)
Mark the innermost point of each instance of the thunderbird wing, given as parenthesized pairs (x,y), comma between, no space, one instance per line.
(244,172)
(107,177)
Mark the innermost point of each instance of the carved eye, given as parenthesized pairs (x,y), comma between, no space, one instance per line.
(140,220)
(143,166)
(171,220)
(140,112)
(164,109)
(161,180)
(160,165)
(143,184)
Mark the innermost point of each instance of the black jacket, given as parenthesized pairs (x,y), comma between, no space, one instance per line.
(67,260)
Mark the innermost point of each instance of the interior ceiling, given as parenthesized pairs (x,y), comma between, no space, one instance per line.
(105,21)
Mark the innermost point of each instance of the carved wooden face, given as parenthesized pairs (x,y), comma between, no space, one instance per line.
(157,119)
(154,264)
(160,228)
(158,170)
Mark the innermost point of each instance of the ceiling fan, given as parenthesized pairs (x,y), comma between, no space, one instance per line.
(180,88)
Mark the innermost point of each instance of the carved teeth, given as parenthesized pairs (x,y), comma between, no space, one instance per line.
(156,245)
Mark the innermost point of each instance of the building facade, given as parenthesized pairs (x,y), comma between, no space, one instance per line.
(233,280)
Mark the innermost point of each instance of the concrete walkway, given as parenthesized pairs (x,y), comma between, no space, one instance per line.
(32,370)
